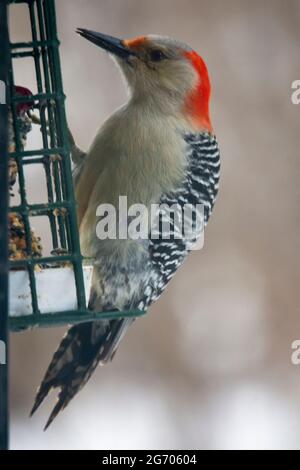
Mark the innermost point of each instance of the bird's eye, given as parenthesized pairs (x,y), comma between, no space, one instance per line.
(156,55)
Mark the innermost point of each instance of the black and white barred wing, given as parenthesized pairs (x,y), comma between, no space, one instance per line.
(183,213)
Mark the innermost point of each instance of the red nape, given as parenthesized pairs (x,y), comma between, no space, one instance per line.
(197,103)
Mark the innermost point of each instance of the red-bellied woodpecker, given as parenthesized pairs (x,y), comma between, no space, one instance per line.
(159,148)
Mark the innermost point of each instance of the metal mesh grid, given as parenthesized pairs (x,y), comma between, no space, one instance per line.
(60,208)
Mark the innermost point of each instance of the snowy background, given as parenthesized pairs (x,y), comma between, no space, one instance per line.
(209,367)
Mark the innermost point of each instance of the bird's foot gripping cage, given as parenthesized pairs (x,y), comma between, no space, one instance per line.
(34,277)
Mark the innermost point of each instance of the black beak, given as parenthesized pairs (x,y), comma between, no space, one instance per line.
(109,43)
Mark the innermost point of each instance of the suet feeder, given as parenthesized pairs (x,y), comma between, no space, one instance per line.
(44,290)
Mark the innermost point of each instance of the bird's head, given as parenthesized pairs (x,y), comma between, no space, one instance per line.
(166,72)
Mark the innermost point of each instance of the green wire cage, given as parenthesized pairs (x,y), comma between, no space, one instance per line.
(60,206)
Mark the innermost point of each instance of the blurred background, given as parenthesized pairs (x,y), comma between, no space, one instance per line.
(210,366)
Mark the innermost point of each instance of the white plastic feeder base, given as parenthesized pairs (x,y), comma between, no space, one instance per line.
(56,290)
